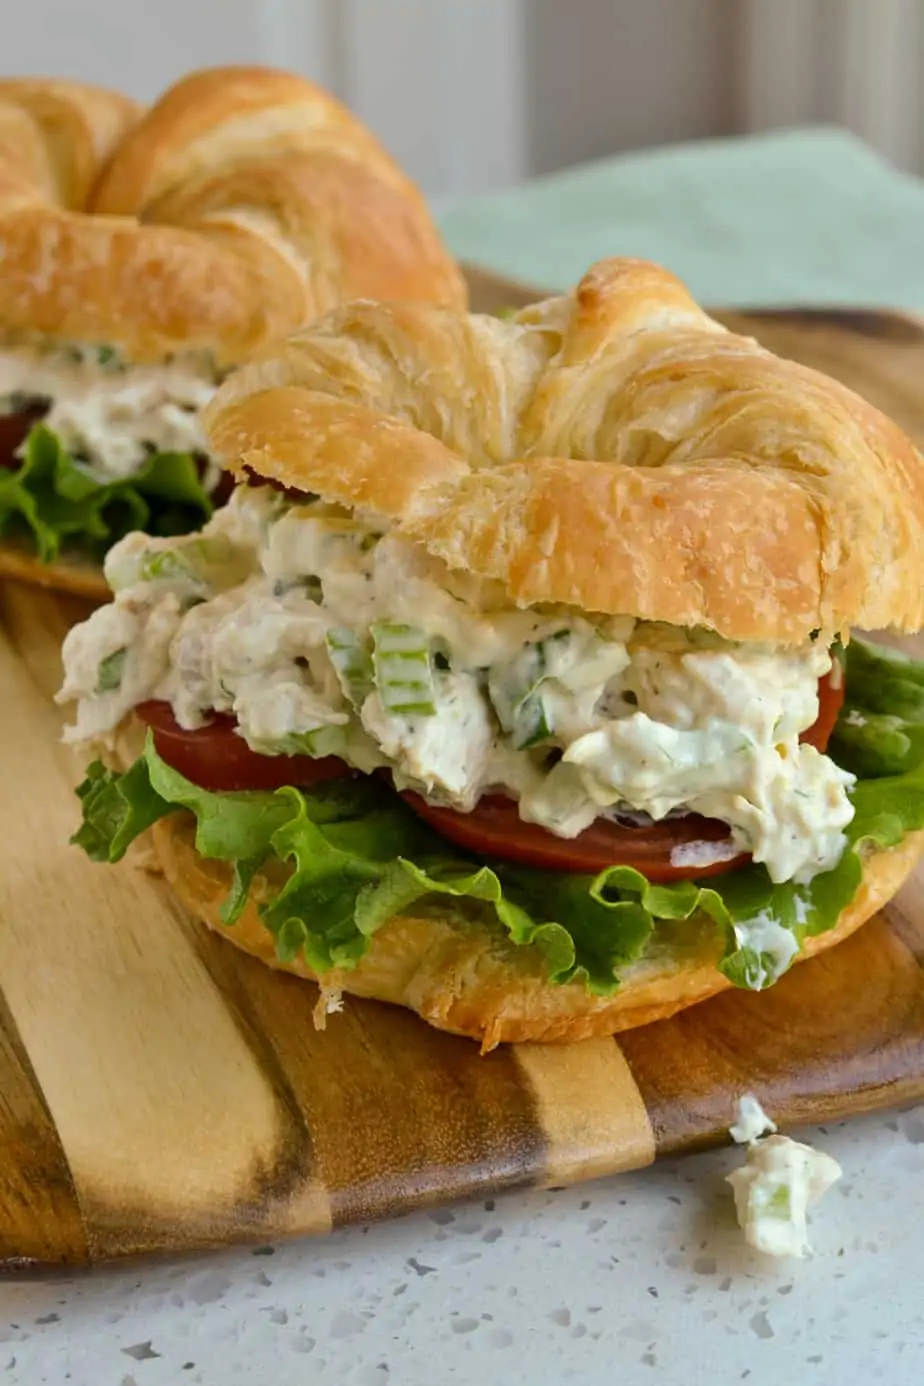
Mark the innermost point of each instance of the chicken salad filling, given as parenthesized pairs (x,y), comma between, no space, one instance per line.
(323,633)
(109,413)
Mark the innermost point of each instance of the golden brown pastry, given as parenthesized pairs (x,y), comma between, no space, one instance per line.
(574,581)
(465,979)
(615,449)
(244,203)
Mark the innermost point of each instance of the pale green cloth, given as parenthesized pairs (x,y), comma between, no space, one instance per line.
(801,216)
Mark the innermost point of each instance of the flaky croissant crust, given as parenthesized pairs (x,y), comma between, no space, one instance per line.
(244,203)
(465,977)
(613,448)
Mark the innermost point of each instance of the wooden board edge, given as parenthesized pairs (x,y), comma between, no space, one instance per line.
(490,292)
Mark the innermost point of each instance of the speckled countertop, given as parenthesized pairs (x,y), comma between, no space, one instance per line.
(637,1279)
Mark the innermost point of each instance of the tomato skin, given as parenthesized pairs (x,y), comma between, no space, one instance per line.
(14,429)
(831,691)
(214,757)
(496,829)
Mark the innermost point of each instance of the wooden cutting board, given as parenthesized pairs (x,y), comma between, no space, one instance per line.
(160,1091)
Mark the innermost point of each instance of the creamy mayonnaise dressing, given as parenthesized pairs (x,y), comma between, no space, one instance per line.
(577,717)
(777,1185)
(773,946)
(107,412)
(752,1122)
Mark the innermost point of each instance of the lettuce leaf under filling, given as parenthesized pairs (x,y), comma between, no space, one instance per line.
(358,857)
(51,498)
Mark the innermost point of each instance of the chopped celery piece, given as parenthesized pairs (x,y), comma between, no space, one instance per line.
(533,723)
(515,691)
(109,674)
(186,561)
(774,1203)
(319,741)
(353,664)
(168,565)
(403,674)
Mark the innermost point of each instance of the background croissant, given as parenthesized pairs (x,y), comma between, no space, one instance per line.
(142,255)
(242,204)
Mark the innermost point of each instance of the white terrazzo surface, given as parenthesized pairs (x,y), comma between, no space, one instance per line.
(636,1280)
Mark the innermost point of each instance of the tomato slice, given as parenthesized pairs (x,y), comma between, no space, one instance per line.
(14,429)
(215,757)
(495,828)
(831,689)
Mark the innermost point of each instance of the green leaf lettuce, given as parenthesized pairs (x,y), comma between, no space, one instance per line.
(51,498)
(358,857)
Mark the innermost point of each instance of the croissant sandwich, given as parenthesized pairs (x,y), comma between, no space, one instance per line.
(514,683)
(142,255)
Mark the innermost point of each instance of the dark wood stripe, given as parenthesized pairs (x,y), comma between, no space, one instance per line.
(456,1122)
(387,1113)
(489,294)
(40,1216)
(841,1034)
(400,1114)
(876,323)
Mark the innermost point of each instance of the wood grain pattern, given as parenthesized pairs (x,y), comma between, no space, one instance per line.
(161,1091)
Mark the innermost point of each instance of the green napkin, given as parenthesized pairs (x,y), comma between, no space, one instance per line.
(799,216)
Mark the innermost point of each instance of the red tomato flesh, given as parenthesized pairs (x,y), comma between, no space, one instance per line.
(495,829)
(831,690)
(216,758)
(14,429)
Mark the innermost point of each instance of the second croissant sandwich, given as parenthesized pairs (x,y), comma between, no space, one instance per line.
(143,254)
(515,683)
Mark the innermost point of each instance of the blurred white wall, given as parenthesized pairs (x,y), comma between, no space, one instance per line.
(138,46)
(478,94)
(604,76)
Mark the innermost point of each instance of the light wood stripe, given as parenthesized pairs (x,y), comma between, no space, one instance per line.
(159,1102)
(590,1109)
(36,621)
(399,1115)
